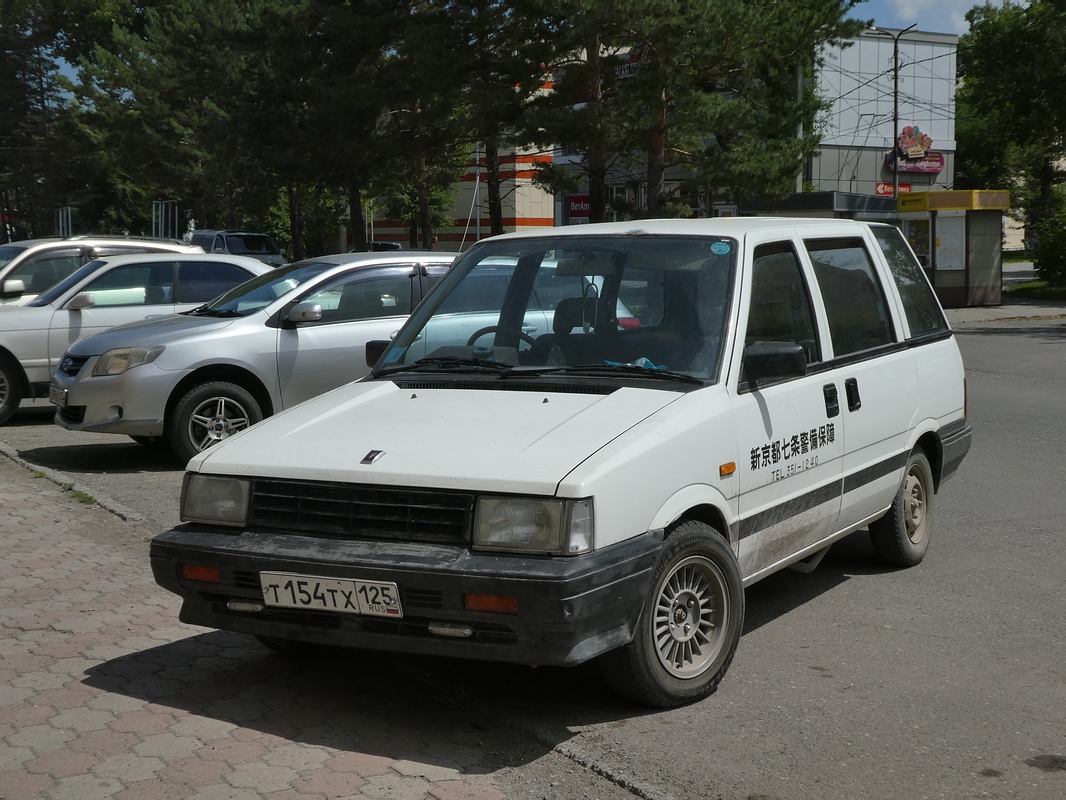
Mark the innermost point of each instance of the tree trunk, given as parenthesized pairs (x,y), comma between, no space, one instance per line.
(597,161)
(356,219)
(492,186)
(296,222)
(657,160)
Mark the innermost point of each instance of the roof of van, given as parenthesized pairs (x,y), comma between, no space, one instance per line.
(715,226)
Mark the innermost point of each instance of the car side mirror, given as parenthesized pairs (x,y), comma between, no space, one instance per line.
(16,287)
(304,312)
(375,349)
(82,300)
(773,361)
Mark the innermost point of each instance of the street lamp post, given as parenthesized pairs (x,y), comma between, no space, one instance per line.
(895,104)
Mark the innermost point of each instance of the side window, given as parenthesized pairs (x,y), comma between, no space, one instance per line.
(365,298)
(780,303)
(46,269)
(853,297)
(134,285)
(924,316)
(482,290)
(201,281)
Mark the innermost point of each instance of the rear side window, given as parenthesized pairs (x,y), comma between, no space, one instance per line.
(780,303)
(200,281)
(924,315)
(854,300)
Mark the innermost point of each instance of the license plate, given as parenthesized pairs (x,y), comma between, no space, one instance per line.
(57,396)
(288,590)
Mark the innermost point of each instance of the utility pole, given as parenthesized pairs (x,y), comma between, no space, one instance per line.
(895,104)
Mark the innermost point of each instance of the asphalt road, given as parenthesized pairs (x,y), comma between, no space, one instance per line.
(948,680)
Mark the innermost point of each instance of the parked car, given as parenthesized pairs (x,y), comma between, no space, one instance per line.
(195,379)
(29,267)
(599,490)
(241,243)
(100,295)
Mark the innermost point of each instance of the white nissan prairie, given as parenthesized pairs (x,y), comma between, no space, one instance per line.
(603,489)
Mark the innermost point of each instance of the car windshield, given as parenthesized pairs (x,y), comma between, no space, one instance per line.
(50,294)
(607,306)
(251,244)
(262,290)
(8,253)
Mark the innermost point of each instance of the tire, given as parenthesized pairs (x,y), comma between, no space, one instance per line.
(209,413)
(901,537)
(690,626)
(12,388)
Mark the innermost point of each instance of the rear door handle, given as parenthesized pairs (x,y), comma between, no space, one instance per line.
(851,389)
(832,402)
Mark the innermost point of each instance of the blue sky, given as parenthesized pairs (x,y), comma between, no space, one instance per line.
(934,16)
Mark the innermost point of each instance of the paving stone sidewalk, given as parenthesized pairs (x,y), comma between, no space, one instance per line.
(104,694)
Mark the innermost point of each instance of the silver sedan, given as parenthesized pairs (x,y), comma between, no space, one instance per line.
(193,379)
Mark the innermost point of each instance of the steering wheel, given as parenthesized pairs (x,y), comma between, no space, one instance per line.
(525,337)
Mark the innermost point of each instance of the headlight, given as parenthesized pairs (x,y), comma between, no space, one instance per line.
(214,499)
(117,361)
(532,525)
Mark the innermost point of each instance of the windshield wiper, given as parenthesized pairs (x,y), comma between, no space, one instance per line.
(446,364)
(204,311)
(608,369)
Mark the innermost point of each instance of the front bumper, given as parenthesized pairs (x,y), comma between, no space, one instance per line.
(133,403)
(570,609)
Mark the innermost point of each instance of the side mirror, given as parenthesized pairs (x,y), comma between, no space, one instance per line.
(82,300)
(375,349)
(16,287)
(772,361)
(304,312)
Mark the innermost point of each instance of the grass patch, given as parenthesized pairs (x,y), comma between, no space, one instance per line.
(1036,290)
(83,497)
(1013,256)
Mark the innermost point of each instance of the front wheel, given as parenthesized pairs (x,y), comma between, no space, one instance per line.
(690,626)
(209,413)
(901,537)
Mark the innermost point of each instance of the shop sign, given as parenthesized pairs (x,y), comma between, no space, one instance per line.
(932,162)
(577,207)
(884,189)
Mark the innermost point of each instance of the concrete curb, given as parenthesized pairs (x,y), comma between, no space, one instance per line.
(66,482)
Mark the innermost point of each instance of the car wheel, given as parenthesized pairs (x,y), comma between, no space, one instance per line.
(209,413)
(901,537)
(11,388)
(690,626)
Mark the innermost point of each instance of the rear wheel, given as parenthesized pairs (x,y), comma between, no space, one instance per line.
(901,537)
(11,388)
(690,626)
(209,413)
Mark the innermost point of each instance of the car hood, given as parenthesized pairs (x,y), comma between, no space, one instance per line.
(157,330)
(475,439)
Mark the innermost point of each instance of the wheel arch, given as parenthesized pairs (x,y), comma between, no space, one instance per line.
(230,373)
(929,443)
(8,359)
(701,503)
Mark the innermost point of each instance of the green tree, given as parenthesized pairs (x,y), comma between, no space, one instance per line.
(1012,105)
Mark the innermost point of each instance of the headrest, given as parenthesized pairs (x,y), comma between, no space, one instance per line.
(574,312)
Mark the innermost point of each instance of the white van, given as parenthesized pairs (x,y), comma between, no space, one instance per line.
(549,489)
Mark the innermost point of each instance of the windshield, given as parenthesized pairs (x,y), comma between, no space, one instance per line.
(263,290)
(603,305)
(254,244)
(8,253)
(77,276)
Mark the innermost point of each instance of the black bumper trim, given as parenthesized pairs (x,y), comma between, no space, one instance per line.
(955,440)
(570,609)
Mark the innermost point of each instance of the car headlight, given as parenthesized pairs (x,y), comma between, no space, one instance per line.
(214,499)
(117,361)
(534,525)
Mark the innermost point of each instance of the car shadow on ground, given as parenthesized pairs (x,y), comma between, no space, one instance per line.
(116,457)
(380,703)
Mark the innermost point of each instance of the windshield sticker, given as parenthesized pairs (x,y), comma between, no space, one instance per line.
(787,448)
(720,248)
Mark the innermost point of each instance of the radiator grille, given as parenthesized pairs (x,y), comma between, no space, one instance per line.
(353,510)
